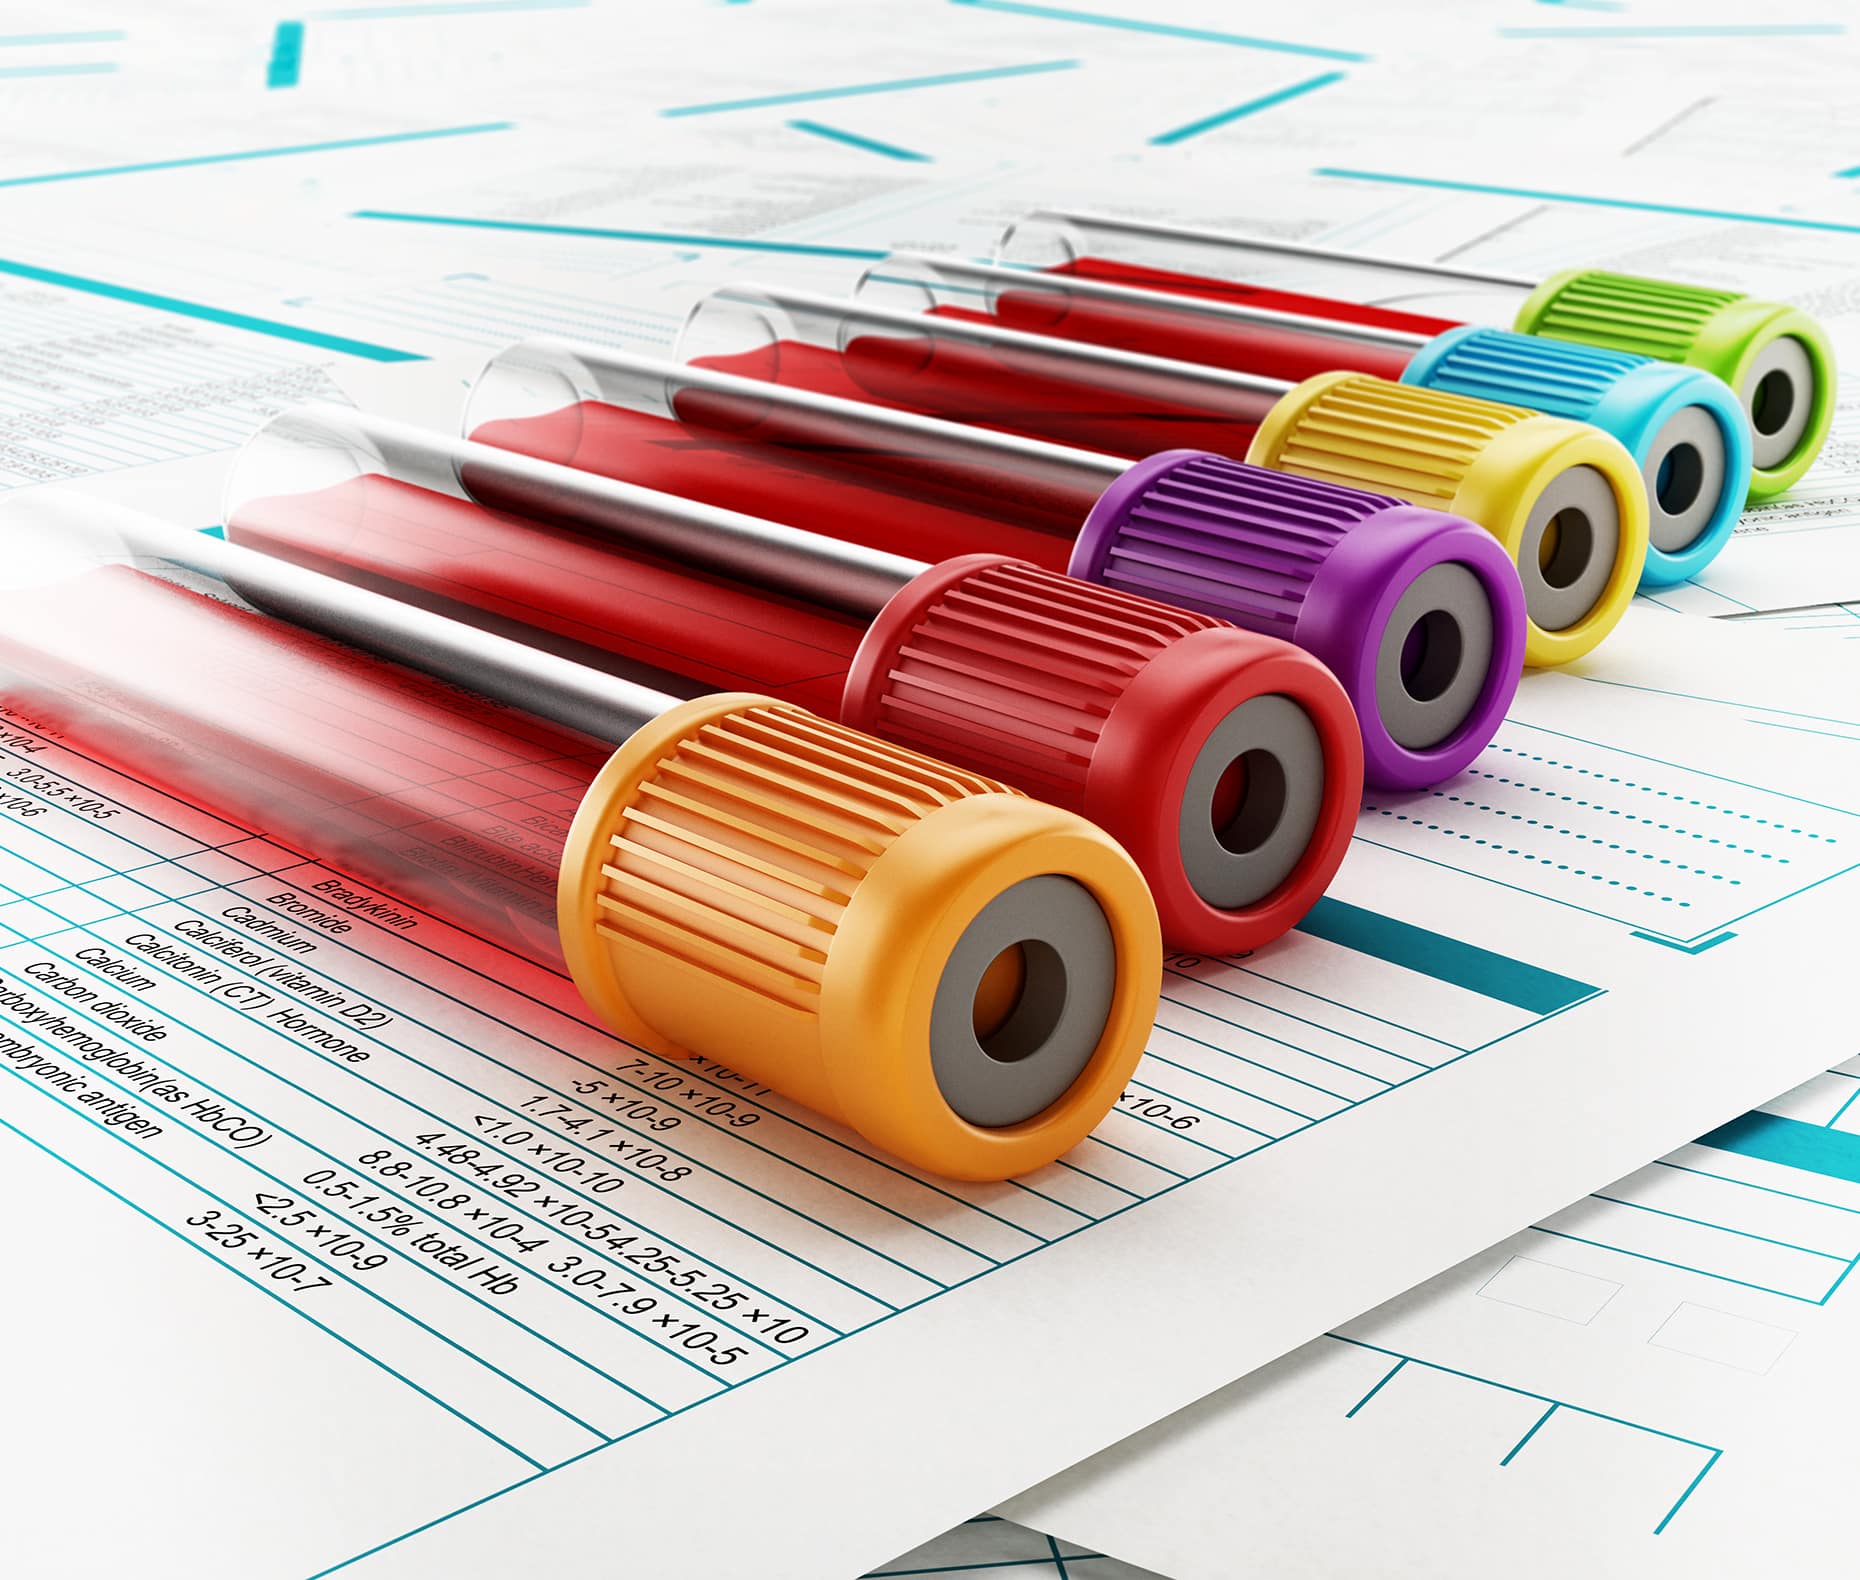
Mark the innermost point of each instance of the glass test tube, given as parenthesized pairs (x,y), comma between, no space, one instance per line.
(1227,763)
(1684,428)
(1776,358)
(1565,500)
(1418,614)
(964,976)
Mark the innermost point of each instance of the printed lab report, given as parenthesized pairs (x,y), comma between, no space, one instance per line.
(350,1217)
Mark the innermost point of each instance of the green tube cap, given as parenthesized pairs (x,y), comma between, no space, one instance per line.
(1776,357)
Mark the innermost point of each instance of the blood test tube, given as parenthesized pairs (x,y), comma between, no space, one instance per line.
(1777,358)
(1228,763)
(962,975)
(1418,614)
(1683,427)
(1564,499)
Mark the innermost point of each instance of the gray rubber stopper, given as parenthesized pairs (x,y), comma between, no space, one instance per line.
(1686,478)
(1435,654)
(1256,847)
(1031,1060)
(1567,551)
(1779,394)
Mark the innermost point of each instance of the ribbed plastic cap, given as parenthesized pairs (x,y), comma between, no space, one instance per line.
(1564,499)
(1683,426)
(1418,614)
(1225,762)
(1777,358)
(963,975)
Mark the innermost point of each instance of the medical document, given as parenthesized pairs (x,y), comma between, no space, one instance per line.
(318,1160)
(345,1244)
(1650,1382)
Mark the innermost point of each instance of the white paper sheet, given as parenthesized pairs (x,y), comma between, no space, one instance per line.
(1552,932)
(1346,1104)
(1652,1382)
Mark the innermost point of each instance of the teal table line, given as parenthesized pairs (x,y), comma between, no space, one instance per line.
(1682,947)
(1770,1138)
(1683,30)
(1132,24)
(856,90)
(1437,184)
(1463,965)
(287,56)
(669,238)
(105,35)
(373,13)
(76,68)
(285,151)
(211,315)
(276,1295)
(1208,123)
(870,145)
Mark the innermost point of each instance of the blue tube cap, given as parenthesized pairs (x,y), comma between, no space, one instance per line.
(1685,428)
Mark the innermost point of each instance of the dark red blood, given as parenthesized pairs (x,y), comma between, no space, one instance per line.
(599,603)
(452,803)
(1253,295)
(806,474)
(1156,330)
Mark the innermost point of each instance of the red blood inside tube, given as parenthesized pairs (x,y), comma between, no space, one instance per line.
(1131,274)
(1160,330)
(600,603)
(430,793)
(807,470)
(1025,392)
(810,472)
(929,499)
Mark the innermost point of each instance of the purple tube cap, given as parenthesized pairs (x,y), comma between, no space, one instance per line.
(1419,614)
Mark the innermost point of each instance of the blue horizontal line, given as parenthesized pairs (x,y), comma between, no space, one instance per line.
(211,315)
(1767,1190)
(1721,1228)
(1803,729)
(368,13)
(1791,1143)
(896,85)
(1462,965)
(1434,184)
(1240,111)
(872,145)
(669,238)
(1132,24)
(258,153)
(1661,1261)
(1699,30)
(1684,949)
(107,35)
(77,68)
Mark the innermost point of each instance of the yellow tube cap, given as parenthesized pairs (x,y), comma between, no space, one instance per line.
(962,975)
(1565,499)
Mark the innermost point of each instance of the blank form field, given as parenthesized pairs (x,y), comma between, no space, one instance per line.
(1708,1334)
(1554,1291)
